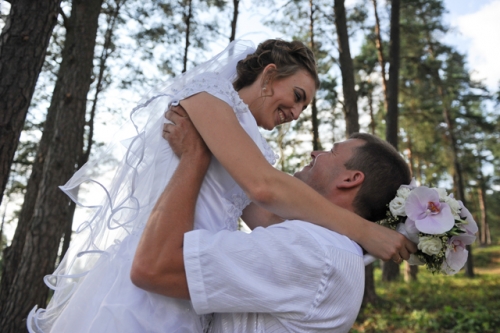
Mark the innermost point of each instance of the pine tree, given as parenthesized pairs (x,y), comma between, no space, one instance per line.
(24,41)
(52,212)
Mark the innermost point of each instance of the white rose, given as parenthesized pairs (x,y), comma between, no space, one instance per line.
(454,205)
(442,194)
(430,245)
(397,206)
(403,192)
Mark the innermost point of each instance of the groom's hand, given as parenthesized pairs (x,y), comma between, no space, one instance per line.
(182,135)
(387,244)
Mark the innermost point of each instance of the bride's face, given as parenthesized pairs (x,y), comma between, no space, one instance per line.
(283,100)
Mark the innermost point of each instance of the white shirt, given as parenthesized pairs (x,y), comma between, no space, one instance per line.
(289,277)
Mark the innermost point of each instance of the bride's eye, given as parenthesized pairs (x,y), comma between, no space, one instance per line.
(298,97)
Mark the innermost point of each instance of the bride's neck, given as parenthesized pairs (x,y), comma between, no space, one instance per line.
(250,94)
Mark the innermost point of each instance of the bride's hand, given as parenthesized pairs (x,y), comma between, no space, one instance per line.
(387,244)
(182,135)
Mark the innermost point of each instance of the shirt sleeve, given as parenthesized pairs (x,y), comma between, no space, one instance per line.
(276,269)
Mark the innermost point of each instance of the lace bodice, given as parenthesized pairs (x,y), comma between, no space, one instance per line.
(235,200)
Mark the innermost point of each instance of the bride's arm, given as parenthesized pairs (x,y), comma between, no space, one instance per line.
(279,192)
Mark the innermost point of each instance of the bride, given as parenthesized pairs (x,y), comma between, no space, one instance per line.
(227,98)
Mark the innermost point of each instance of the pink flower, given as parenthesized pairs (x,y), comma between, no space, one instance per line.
(410,230)
(430,215)
(411,186)
(456,254)
(471,226)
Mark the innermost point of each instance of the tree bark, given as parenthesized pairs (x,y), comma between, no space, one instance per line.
(409,148)
(23,44)
(390,270)
(314,109)
(373,123)
(483,239)
(187,20)
(234,20)
(488,235)
(370,296)
(392,127)
(52,210)
(107,49)
(380,54)
(315,128)
(12,254)
(347,70)
(411,272)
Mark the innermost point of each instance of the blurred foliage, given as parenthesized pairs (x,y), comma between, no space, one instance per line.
(438,303)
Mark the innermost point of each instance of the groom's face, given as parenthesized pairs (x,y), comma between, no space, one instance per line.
(327,168)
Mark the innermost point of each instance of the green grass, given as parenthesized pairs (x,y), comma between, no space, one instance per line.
(437,303)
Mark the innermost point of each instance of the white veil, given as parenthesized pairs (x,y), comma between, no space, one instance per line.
(119,205)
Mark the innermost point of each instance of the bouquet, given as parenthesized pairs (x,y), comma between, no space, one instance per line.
(440,226)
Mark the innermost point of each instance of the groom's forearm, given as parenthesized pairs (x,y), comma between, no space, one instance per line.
(158,263)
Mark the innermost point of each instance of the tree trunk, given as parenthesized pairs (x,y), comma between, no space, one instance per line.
(347,69)
(315,128)
(370,296)
(380,54)
(234,20)
(187,22)
(52,210)
(392,127)
(390,270)
(12,254)
(411,272)
(373,123)
(482,207)
(314,109)
(107,49)
(23,44)
(488,235)
(409,148)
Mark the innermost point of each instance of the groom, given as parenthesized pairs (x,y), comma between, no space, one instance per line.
(290,276)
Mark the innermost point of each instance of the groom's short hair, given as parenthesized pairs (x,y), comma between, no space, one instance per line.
(384,169)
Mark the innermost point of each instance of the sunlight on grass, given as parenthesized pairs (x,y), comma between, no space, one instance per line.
(437,303)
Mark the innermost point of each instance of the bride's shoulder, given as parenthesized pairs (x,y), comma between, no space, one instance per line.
(218,87)
(211,80)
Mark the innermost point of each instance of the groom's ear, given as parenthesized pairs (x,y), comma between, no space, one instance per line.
(351,179)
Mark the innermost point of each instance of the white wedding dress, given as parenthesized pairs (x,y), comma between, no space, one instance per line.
(93,291)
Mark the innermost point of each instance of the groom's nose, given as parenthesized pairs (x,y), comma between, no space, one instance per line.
(316,153)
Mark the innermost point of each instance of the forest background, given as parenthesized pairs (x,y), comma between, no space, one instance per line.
(402,69)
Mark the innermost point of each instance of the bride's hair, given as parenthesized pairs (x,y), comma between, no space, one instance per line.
(289,58)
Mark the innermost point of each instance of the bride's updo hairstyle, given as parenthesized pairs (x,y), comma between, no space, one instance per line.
(289,58)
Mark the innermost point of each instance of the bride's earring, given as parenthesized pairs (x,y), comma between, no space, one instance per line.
(264,87)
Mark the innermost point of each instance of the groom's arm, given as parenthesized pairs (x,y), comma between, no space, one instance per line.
(158,263)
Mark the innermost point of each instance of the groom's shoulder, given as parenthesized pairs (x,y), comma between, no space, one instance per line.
(324,237)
